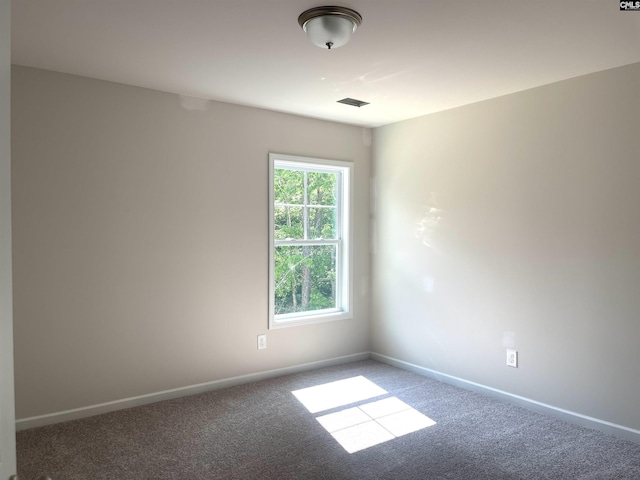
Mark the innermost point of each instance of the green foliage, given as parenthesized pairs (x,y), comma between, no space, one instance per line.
(305,276)
(289,262)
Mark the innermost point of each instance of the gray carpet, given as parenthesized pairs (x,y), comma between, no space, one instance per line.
(262,431)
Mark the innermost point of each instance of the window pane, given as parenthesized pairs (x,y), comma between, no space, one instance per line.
(322,223)
(288,223)
(305,278)
(322,188)
(288,186)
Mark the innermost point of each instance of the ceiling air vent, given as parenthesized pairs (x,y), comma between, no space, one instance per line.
(353,102)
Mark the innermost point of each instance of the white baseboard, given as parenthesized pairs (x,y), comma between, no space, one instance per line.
(569,416)
(566,415)
(76,413)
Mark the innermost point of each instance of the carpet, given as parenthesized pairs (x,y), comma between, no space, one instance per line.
(263,431)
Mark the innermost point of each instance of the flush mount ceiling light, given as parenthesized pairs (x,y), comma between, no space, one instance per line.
(329,27)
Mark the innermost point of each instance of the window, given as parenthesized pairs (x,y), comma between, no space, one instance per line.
(309,250)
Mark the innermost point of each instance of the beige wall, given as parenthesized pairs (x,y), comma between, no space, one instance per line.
(140,241)
(539,235)
(7,421)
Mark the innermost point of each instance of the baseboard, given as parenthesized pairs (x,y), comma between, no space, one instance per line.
(569,416)
(566,415)
(89,411)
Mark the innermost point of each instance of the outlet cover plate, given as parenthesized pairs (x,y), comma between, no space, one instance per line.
(512,358)
(262,341)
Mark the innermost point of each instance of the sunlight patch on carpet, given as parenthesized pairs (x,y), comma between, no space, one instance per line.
(336,394)
(363,426)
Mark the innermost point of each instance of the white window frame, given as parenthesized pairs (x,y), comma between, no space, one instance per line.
(344,229)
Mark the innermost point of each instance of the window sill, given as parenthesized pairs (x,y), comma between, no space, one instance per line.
(293,320)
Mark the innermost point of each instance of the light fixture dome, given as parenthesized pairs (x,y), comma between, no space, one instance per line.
(329,27)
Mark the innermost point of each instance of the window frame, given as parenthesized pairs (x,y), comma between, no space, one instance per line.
(343,241)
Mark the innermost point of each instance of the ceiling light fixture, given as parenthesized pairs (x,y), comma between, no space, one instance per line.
(329,27)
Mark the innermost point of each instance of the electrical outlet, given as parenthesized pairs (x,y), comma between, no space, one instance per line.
(512,358)
(262,341)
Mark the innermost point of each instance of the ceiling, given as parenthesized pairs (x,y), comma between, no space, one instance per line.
(408,58)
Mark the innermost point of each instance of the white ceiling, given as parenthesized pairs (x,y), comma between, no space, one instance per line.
(408,58)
